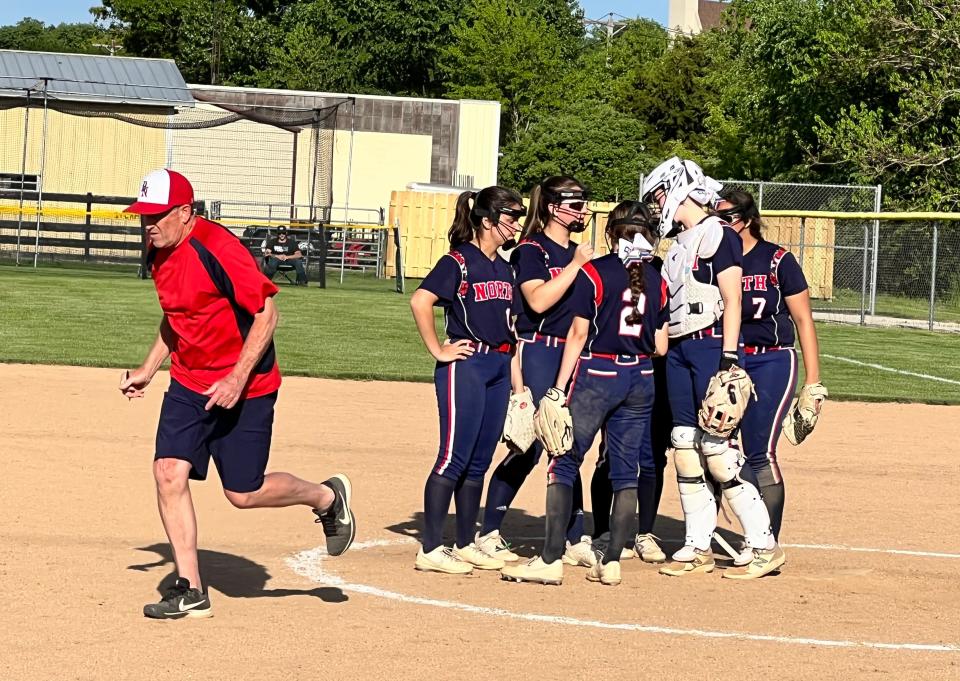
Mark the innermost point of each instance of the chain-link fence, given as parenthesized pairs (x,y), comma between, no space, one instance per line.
(888,270)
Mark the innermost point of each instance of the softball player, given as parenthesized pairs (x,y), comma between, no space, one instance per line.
(775,298)
(545,263)
(649,482)
(620,319)
(474,286)
(703,272)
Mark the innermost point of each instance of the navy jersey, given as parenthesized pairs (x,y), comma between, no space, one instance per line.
(540,257)
(729,254)
(476,307)
(601,294)
(770,274)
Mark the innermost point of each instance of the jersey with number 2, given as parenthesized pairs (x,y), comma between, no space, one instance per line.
(602,296)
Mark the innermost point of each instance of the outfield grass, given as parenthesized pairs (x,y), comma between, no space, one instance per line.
(893,306)
(363,330)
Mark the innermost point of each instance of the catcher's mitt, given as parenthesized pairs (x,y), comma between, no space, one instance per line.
(804,413)
(553,424)
(727,398)
(518,428)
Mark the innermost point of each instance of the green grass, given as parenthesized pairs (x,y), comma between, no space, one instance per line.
(893,306)
(363,330)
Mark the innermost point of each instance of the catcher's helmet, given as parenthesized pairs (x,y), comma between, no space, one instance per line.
(678,179)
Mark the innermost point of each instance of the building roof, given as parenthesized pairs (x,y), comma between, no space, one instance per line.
(93,78)
(710,11)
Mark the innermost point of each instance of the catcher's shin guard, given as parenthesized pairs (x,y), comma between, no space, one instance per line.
(724,462)
(696,498)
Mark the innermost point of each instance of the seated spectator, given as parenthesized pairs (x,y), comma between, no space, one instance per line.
(281,250)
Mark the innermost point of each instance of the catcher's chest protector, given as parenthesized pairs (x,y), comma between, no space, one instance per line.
(693,304)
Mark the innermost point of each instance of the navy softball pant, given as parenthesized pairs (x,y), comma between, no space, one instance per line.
(620,394)
(472,396)
(774,376)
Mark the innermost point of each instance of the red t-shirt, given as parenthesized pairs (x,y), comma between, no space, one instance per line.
(210,288)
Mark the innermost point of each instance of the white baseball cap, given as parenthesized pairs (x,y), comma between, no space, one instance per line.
(160,191)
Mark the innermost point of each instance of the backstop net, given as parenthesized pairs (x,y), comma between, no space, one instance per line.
(68,168)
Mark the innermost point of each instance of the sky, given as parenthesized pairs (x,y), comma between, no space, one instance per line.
(71,11)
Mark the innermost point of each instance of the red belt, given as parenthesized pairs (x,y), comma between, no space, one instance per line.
(763,349)
(506,348)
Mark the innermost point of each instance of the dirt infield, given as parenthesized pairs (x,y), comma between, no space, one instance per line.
(82,551)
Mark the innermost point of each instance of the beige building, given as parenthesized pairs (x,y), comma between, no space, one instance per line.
(690,17)
(73,124)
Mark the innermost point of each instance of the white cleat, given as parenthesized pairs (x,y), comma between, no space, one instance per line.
(536,571)
(477,558)
(494,545)
(648,550)
(441,559)
(580,554)
(608,574)
(685,554)
(764,562)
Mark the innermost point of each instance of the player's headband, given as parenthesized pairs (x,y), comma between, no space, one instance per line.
(494,215)
(633,221)
(565,195)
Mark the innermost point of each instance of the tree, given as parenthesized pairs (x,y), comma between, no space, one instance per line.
(34,35)
(211,40)
(590,140)
(505,51)
(387,47)
(908,140)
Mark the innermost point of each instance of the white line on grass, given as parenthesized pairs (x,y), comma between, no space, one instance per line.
(309,564)
(891,370)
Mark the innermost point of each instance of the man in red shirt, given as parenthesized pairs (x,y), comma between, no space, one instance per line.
(217,329)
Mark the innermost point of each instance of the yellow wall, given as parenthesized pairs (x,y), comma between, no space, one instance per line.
(98,155)
(381,162)
(478,144)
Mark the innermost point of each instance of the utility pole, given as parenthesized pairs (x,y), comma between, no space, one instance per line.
(112,47)
(217,7)
(613,24)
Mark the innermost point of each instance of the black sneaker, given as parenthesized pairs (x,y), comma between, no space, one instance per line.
(180,601)
(338,522)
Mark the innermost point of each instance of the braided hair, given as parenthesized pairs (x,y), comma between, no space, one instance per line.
(626,220)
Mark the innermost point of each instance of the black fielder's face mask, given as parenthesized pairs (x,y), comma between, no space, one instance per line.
(571,207)
(505,230)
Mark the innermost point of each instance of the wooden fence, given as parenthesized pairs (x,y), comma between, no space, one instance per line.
(425,217)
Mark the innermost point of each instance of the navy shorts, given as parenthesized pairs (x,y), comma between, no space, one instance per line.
(238,439)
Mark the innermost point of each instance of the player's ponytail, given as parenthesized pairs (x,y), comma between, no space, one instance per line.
(541,196)
(626,220)
(472,207)
(744,206)
(461,231)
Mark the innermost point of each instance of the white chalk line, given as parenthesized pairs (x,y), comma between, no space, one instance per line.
(309,564)
(837,547)
(902,372)
(862,549)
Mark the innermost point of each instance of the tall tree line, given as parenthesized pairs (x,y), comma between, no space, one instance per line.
(844,91)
